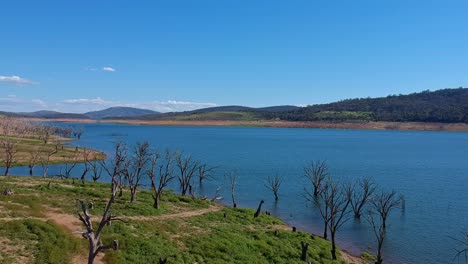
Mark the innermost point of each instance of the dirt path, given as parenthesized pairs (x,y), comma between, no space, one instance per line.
(72,224)
(188,214)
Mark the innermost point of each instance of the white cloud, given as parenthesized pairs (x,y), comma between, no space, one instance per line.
(91,104)
(84,101)
(16,80)
(15,104)
(108,69)
(40,103)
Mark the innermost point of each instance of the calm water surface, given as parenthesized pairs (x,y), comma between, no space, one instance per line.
(429,168)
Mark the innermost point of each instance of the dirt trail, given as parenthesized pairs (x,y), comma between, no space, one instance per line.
(187,214)
(73,224)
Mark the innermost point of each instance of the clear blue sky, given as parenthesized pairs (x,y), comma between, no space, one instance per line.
(176,55)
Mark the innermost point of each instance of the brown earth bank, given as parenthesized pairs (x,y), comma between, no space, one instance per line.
(421,126)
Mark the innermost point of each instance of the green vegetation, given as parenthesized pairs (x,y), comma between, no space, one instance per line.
(219,116)
(39,219)
(447,106)
(25,147)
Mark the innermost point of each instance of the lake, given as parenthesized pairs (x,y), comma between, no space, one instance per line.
(429,168)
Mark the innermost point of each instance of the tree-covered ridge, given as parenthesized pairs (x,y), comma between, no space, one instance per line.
(447,106)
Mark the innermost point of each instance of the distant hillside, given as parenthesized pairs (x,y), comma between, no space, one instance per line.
(45,114)
(447,106)
(119,112)
(230,112)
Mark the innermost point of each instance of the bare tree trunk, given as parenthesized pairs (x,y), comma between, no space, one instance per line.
(325,231)
(259,209)
(333,251)
(304,248)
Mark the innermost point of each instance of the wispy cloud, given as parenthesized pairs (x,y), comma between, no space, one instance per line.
(16,104)
(108,69)
(85,101)
(16,80)
(90,104)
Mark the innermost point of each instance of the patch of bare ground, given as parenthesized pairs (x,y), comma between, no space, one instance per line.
(186,214)
(72,224)
(350,259)
(12,252)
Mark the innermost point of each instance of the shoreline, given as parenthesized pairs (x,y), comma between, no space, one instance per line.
(372,125)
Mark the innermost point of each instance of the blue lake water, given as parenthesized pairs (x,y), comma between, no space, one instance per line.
(429,168)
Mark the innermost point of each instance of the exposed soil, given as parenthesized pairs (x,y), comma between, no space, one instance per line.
(288,124)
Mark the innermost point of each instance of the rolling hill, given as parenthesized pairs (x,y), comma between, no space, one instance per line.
(119,112)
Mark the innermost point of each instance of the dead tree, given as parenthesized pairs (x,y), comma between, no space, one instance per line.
(259,209)
(164,173)
(304,249)
(134,168)
(462,251)
(10,150)
(187,168)
(78,132)
(382,205)
(316,173)
(362,192)
(94,236)
(70,165)
(96,170)
(273,184)
(337,200)
(118,164)
(233,177)
(324,208)
(33,159)
(86,156)
(45,160)
(205,172)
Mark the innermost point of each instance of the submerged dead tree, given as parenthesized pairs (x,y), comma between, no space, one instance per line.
(205,172)
(273,184)
(316,172)
(34,157)
(160,175)
(383,204)
(94,235)
(362,192)
(134,168)
(187,168)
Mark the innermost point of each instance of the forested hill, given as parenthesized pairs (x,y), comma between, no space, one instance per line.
(447,106)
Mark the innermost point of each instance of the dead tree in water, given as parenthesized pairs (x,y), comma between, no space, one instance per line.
(338,199)
(94,236)
(362,192)
(33,158)
(164,173)
(382,204)
(462,252)
(134,168)
(86,155)
(273,184)
(205,172)
(187,167)
(45,160)
(316,173)
(259,209)
(96,169)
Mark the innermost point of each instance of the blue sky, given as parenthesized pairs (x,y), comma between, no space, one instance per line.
(176,55)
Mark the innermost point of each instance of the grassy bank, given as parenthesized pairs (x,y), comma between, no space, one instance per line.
(27,147)
(39,223)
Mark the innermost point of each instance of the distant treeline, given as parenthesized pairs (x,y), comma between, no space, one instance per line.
(446,106)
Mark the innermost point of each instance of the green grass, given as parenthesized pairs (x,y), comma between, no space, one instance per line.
(205,238)
(219,116)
